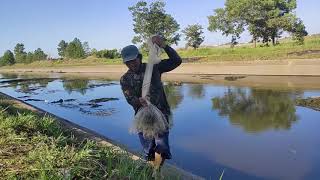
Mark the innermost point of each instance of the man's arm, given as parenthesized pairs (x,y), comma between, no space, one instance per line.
(129,94)
(171,63)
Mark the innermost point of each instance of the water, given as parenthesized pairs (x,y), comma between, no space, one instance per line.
(248,133)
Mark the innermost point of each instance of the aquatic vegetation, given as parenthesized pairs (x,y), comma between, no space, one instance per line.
(310,102)
(100,100)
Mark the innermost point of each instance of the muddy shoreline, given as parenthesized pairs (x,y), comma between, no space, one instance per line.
(254,81)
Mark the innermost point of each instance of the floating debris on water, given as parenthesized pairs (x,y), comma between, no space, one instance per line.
(33,99)
(99,112)
(101,85)
(69,100)
(92,105)
(100,100)
(21,97)
(59,101)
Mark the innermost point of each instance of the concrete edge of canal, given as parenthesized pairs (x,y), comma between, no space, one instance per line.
(169,171)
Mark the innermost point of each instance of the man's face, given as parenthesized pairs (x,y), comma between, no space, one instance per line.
(134,65)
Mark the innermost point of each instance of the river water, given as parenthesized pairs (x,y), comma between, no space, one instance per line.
(249,133)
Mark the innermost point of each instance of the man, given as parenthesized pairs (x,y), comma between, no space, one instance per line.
(156,150)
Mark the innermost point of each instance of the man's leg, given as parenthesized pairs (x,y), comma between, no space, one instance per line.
(162,149)
(148,146)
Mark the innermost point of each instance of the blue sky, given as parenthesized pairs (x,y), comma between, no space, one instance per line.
(106,23)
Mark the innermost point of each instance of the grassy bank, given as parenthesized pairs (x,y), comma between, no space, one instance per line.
(287,49)
(35,147)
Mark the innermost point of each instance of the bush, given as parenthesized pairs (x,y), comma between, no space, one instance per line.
(109,54)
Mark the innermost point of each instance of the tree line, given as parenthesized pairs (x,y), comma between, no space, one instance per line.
(266,20)
(19,55)
(77,50)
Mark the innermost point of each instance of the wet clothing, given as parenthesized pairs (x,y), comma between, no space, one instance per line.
(131,84)
(159,145)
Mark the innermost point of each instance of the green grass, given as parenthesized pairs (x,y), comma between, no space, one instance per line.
(35,147)
(89,61)
(287,49)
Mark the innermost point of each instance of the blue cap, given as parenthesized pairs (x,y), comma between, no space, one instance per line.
(129,53)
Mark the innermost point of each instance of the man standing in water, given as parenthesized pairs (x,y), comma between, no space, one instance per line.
(156,150)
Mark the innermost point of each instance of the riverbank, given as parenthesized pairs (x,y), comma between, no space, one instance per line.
(296,67)
(295,74)
(37,145)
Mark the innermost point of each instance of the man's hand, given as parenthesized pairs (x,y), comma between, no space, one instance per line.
(143,102)
(159,41)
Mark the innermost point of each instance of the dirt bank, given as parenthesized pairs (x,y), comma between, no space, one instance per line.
(299,67)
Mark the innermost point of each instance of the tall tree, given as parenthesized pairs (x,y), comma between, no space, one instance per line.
(265,20)
(86,48)
(228,25)
(7,59)
(20,54)
(193,35)
(75,50)
(153,19)
(29,58)
(39,55)
(62,46)
(299,31)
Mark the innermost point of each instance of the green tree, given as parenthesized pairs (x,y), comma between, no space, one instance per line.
(29,58)
(86,48)
(299,31)
(75,49)
(62,46)
(228,25)
(193,35)
(19,53)
(94,52)
(7,59)
(265,20)
(153,19)
(39,55)
(109,54)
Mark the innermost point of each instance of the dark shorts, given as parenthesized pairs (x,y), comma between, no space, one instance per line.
(159,145)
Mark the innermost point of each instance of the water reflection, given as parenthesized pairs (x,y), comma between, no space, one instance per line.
(196,91)
(8,76)
(26,85)
(257,110)
(174,94)
(78,85)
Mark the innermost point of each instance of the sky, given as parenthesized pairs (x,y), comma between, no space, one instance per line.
(107,24)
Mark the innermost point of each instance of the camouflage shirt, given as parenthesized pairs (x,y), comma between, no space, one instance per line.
(131,83)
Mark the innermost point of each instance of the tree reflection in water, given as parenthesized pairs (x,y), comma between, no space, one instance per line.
(78,85)
(174,94)
(196,91)
(257,110)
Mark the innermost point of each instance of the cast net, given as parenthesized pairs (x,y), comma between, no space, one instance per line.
(150,120)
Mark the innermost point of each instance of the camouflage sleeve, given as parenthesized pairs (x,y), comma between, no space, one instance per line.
(129,94)
(169,64)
